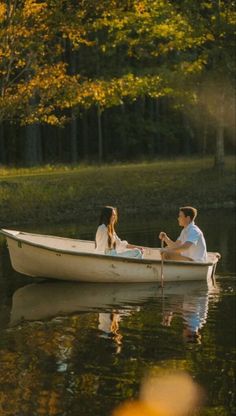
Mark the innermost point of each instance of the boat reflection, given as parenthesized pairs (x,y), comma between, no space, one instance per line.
(44,301)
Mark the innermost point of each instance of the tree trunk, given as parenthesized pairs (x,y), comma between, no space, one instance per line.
(204,137)
(123,131)
(100,136)
(158,139)
(85,135)
(73,139)
(150,112)
(33,145)
(2,145)
(59,144)
(189,136)
(219,155)
(73,123)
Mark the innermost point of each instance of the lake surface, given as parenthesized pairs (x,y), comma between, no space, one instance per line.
(71,349)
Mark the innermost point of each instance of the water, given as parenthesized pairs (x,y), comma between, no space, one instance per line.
(80,349)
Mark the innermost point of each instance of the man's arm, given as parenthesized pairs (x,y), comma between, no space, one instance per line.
(177,248)
(170,243)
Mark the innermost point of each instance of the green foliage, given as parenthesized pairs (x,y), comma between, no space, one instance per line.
(124,49)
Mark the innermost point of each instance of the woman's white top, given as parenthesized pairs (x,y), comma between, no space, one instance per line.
(102,241)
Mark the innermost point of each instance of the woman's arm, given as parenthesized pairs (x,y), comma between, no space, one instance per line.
(121,245)
(101,238)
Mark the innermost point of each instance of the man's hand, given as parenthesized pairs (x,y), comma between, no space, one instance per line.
(165,250)
(163,236)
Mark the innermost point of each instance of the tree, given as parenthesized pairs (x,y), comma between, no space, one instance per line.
(119,51)
(214,84)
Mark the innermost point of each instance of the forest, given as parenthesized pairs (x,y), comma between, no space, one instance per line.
(116,80)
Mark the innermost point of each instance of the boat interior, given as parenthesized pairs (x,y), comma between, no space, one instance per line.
(85,246)
(72,245)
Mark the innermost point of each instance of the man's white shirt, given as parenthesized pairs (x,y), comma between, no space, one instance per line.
(197,251)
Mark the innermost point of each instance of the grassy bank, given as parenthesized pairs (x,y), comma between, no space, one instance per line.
(62,193)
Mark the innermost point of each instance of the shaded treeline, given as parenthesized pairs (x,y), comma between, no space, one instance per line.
(117,80)
(147,128)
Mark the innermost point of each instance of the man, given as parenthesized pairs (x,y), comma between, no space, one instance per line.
(190,245)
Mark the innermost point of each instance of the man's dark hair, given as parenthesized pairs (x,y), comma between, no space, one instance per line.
(189,212)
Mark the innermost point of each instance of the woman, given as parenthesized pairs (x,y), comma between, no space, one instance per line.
(107,241)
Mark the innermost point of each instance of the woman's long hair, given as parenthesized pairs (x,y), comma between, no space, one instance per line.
(105,218)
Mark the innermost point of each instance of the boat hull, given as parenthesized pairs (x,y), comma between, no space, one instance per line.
(33,260)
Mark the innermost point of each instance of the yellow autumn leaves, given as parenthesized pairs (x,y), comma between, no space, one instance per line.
(119,51)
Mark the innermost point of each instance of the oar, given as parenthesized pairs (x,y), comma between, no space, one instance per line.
(162,265)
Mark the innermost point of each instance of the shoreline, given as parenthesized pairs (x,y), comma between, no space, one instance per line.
(140,190)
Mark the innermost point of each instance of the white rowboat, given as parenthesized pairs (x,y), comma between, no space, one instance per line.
(61,258)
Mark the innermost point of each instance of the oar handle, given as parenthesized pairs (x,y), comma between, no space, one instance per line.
(162,264)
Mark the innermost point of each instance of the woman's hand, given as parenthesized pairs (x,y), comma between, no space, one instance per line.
(133,246)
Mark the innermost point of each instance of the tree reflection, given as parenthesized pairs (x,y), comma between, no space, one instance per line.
(59,356)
